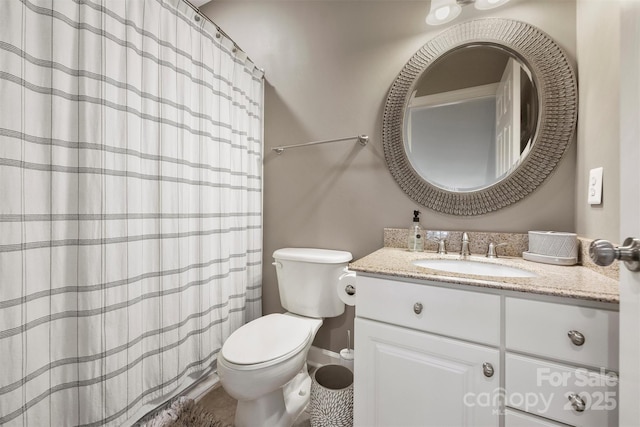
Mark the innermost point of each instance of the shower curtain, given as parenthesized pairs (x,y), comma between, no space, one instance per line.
(130,205)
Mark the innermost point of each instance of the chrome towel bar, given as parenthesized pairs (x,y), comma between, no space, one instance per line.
(362,139)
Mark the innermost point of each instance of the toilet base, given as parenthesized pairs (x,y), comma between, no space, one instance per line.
(279,408)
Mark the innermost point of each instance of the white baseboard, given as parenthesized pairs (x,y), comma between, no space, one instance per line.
(319,356)
(196,390)
(203,386)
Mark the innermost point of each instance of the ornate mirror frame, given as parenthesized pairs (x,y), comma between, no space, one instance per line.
(557,90)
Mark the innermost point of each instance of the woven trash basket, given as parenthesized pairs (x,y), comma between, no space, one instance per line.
(332,397)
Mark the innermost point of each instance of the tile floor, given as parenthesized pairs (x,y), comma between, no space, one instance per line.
(224,406)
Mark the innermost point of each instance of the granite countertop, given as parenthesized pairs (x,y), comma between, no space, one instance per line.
(563,281)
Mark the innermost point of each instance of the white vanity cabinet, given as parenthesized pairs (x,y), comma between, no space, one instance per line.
(430,354)
(415,364)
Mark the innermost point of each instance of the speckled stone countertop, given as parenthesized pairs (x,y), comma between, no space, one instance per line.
(563,281)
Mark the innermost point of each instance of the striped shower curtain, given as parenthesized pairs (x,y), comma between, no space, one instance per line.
(130,205)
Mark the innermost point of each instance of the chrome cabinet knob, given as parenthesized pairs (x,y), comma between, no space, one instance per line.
(577,403)
(417,308)
(487,369)
(603,253)
(576,337)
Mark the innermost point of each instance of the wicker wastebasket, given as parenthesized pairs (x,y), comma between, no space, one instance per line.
(332,397)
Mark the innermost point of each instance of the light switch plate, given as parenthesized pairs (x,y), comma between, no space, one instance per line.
(595,186)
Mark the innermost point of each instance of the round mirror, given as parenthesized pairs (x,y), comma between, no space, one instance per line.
(471,118)
(480,116)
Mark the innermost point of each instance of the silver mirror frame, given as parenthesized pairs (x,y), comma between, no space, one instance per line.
(557,90)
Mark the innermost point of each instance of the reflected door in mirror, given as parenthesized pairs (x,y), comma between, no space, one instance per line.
(471,118)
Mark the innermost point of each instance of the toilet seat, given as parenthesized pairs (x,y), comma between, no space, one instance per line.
(266,341)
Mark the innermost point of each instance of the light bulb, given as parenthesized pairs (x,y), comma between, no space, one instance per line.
(442,13)
(489,4)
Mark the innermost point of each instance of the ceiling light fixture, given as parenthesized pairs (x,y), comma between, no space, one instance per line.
(443,11)
(489,4)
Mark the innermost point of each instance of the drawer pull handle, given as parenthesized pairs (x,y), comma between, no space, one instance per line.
(417,308)
(576,337)
(576,402)
(487,369)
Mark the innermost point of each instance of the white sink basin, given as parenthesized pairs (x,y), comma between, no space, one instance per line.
(464,266)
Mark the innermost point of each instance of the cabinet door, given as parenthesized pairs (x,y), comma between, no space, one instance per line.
(408,378)
(519,419)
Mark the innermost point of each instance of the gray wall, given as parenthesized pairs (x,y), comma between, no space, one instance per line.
(329,66)
(598,55)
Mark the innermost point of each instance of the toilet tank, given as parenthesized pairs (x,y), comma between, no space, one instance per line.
(308,279)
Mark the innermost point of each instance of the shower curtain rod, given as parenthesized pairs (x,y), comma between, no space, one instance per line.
(221,31)
(362,139)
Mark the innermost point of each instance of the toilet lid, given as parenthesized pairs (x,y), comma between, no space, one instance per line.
(266,338)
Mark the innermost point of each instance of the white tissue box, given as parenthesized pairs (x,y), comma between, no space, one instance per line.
(552,247)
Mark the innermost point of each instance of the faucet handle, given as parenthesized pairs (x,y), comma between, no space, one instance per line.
(491,251)
(439,237)
(464,249)
(442,244)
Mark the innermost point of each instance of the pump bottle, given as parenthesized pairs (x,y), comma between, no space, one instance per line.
(416,234)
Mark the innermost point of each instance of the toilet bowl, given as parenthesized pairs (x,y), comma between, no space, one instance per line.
(254,369)
(263,363)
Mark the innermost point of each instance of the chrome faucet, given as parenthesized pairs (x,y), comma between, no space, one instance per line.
(464,251)
(440,239)
(491,250)
(442,246)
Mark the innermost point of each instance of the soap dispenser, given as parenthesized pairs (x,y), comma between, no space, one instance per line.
(416,234)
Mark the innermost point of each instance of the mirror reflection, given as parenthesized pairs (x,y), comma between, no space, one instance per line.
(471,118)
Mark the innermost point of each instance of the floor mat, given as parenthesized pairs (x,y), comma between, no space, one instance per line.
(185,412)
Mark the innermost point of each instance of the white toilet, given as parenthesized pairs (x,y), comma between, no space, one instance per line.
(263,363)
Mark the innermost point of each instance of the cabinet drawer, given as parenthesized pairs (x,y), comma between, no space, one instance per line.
(542,328)
(518,419)
(543,388)
(462,314)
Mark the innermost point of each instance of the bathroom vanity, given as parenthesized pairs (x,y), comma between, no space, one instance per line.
(437,348)
(481,341)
